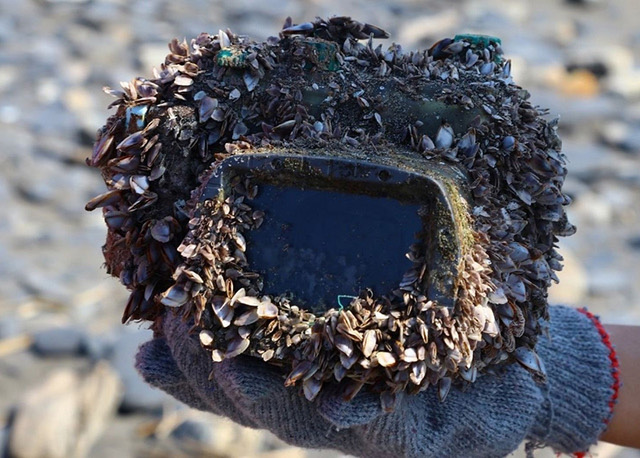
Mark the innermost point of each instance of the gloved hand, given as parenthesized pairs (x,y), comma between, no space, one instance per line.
(490,418)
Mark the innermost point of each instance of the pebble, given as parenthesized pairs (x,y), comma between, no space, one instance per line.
(64,415)
(591,209)
(192,430)
(99,346)
(8,77)
(10,326)
(606,203)
(605,281)
(614,59)
(13,293)
(584,2)
(4,442)
(621,135)
(138,396)
(577,113)
(622,199)
(580,83)
(613,133)
(626,85)
(217,440)
(61,341)
(586,160)
(9,114)
(574,187)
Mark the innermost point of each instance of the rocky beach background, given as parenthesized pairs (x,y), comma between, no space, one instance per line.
(66,363)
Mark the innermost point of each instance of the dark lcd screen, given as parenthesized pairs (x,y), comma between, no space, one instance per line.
(316,245)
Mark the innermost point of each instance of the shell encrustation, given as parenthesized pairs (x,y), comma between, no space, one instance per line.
(451,115)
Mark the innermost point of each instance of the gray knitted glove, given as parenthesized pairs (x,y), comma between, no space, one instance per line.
(490,418)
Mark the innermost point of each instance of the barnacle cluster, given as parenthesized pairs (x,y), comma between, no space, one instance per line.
(324,88)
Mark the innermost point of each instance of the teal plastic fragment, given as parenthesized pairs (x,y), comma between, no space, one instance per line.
(324,53)
(340,297)
(481,41)
(233,56)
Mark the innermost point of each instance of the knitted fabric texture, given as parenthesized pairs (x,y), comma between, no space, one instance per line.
(489,419)
(582,382)
(613,357)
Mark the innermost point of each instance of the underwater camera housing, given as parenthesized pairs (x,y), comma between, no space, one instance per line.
(354,215)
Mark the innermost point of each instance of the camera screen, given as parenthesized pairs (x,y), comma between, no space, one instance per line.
(316,245)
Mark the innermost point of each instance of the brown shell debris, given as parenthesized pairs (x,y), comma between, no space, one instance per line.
(326,87)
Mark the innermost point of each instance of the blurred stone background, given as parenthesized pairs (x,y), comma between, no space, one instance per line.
(66,364)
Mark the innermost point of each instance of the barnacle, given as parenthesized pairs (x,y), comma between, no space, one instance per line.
(475,294)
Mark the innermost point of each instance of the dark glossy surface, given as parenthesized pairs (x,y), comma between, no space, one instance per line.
(318,244)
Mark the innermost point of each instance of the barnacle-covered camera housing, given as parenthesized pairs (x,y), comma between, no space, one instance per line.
(356,215)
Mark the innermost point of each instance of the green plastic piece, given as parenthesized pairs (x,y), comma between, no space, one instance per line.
(481,41)
(324,53)
(233,57)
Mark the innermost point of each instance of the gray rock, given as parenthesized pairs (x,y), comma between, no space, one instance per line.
(576,112)
(621,135)
(202,434)
(138,396)
(609,203)
(623,200)
(634,242)
(592,209)
(607,281)
(4,442)
(10,326)
(15,142)
(192,430)
(99,13)
(100,395)
(98,347)
(61,341)
(10,114)
(65,415)
(587,161)
(12,291)
(38,179)
(574,188)
(615,59)
(613,132)
(583,2)
(52,119)
(626,85)
(631,143)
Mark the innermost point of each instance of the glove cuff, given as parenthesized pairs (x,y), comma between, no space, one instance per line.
(582,382)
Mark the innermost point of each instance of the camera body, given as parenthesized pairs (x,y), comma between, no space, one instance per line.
(358,216)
